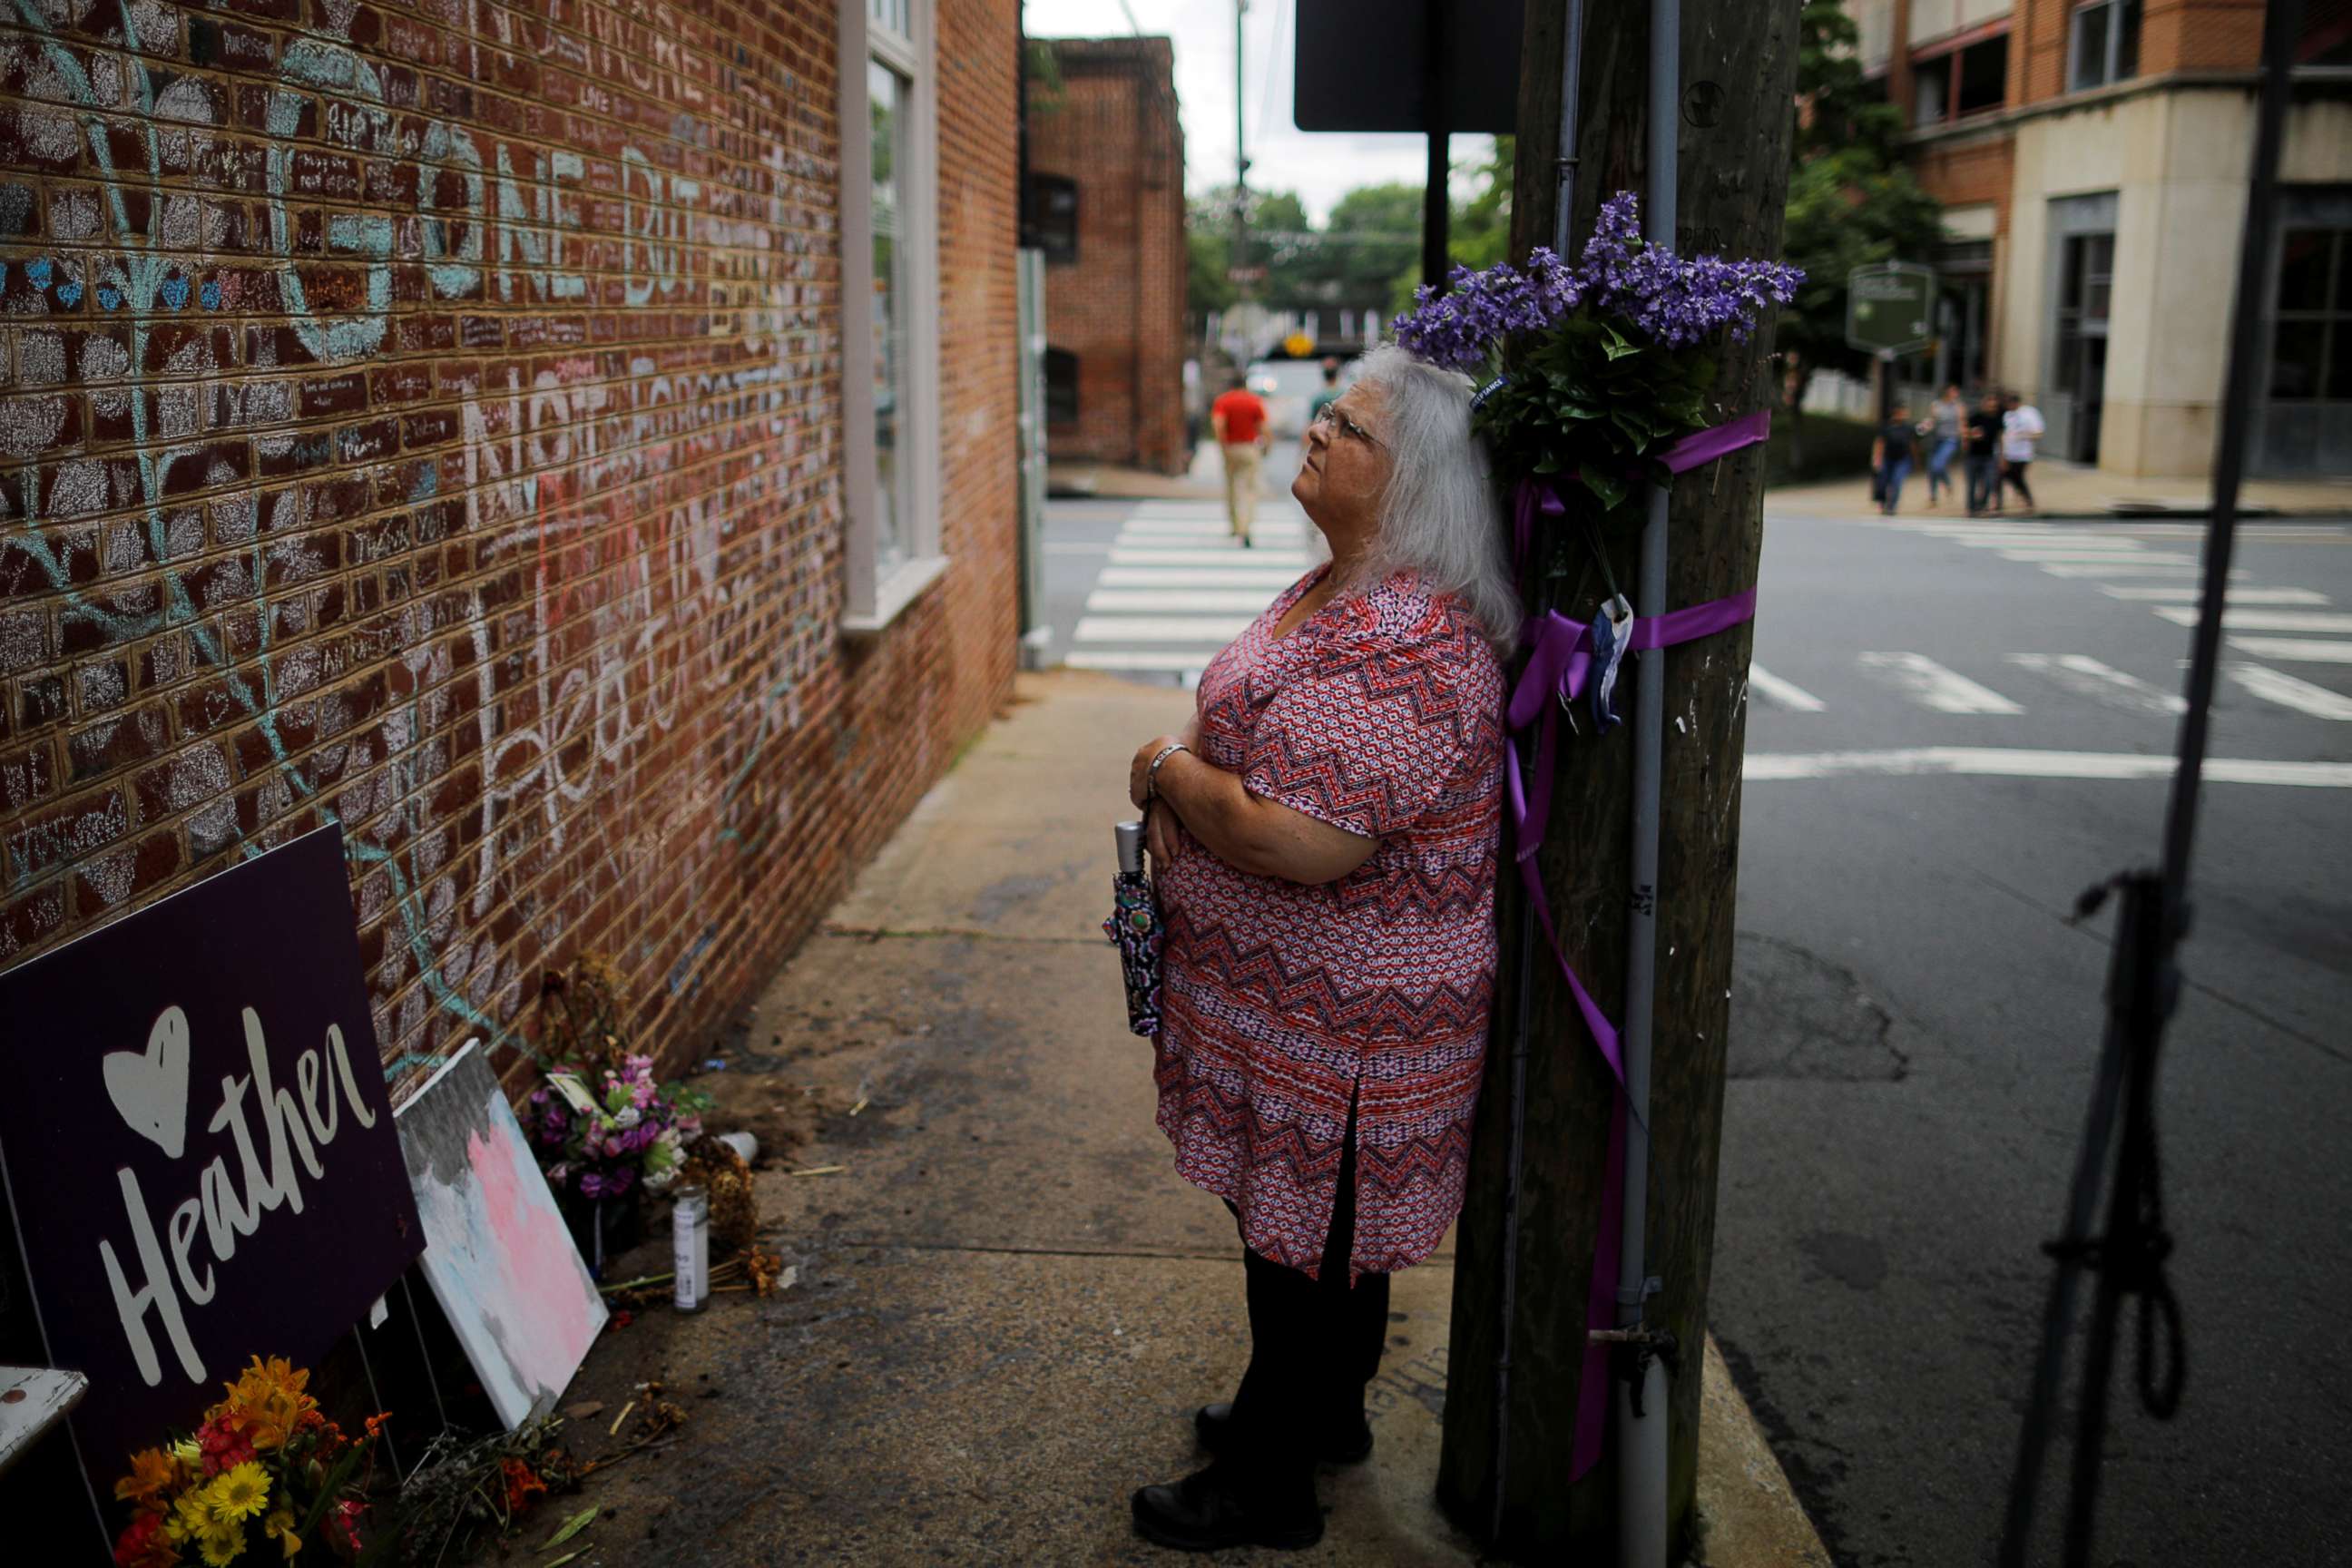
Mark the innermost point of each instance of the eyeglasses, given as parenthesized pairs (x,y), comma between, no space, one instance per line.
(1330,415)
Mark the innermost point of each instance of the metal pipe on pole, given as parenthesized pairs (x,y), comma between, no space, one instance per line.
(1571,65)
(1642,1406)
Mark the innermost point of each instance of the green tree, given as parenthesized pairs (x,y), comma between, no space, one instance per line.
(1851,201)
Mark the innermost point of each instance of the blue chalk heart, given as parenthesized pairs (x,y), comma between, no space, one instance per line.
(210,295)
(108,297)
(68,295)
(38,271)
(175,291)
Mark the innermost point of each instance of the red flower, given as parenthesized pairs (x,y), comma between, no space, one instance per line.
(225,1445)
(523,1485)
(144,1544)
(342,1524)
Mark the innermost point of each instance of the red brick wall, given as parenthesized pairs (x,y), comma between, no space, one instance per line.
(1120,307)
(426,417)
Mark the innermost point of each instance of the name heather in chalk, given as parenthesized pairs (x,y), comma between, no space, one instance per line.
(151,1091)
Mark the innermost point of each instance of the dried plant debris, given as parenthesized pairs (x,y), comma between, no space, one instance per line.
(467,1491)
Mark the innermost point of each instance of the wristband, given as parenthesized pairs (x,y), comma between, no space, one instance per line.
(1152,773)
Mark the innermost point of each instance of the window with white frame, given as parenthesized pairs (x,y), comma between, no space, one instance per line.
(889,273)
(2105,46)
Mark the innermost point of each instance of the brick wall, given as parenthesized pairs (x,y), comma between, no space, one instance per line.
(426,417)
(1120,306)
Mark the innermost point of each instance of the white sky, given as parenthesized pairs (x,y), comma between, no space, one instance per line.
(1320,167)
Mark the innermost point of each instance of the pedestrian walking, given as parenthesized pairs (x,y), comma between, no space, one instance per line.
(1891,457)
(1941,429)
(1325,838)
(1239,420)
(1984,455)
(2021,427)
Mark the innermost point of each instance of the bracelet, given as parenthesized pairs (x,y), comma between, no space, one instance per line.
(1152,773)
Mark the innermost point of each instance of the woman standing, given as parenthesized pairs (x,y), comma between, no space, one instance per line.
(1324,838)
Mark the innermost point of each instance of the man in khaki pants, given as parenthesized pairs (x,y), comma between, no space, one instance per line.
(1239,419)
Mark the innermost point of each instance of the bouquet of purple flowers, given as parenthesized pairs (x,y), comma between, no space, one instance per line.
(1590,372)
(600,1140)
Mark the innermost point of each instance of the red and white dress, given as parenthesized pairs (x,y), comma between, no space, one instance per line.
(1380,714)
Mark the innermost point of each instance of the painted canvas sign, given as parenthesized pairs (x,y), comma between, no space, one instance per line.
(197,1142)
(498,1256)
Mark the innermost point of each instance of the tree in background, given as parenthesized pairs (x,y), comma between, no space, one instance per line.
(1851,201)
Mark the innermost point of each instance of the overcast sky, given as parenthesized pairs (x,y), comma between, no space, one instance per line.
(1319,167)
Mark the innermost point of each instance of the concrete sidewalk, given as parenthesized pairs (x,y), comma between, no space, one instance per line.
(2071,491)
(1007,1303)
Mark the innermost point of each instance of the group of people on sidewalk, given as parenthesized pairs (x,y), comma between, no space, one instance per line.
(1999,435)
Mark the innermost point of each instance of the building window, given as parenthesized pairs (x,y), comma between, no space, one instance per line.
(1958,82)
(2311,340)
(2106,43)
(1051,217)
(1061,387)
(890,268)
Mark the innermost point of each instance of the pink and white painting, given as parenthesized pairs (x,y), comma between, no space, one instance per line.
(497,1253)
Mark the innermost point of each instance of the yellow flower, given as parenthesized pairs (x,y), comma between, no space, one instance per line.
(240,1493)
(192,1515)
(279,1527)
(269,1396)
(222,1544)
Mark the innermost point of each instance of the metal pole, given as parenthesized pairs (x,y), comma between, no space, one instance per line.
(1571,66)
(1642,1411)
(2143,981)
(1240,166)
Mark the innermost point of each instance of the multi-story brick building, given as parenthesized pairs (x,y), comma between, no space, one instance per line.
(516,431)
(1104,198)
(2093,156)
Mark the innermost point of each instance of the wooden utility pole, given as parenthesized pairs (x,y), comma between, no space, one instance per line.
(1739,83)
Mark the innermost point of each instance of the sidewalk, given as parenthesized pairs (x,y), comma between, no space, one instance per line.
(2073,492)
(1007,1304)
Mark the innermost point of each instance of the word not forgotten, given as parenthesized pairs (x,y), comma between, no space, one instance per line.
(151,1091)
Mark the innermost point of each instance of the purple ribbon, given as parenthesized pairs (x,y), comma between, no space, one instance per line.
(1559,661)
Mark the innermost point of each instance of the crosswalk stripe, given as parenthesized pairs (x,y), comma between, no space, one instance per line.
(1210,531)
(1228,600)
(2137,567)
(2295,650)
(1295,561)
(2003,762)
(2048,541)
(2235,619)
(1215,630)
(1782,693)
(2193,594)
(1928,682)
(1173,660)
(2086,677)
(1195,577)
(2289,692)
(2125,558)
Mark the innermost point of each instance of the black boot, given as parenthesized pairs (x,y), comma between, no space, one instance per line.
(1211,1510)
(1351,1443)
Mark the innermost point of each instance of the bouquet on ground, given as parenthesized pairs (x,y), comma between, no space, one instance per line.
(1591,372)
(265,1473)
(618,1132)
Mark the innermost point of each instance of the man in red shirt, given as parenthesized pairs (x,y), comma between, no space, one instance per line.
(1239,419)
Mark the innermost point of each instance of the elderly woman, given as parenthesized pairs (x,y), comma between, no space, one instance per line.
(1324,838)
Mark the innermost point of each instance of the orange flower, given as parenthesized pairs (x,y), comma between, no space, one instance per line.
(522,1484)
(375,1423)
(268,1395)
(153,1473)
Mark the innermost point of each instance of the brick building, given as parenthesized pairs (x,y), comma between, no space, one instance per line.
(1105,196)
(2092,158)
(516,433)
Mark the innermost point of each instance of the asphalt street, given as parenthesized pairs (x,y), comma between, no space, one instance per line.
(1956,727)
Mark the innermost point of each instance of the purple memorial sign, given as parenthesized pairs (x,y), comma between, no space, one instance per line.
(198,1145)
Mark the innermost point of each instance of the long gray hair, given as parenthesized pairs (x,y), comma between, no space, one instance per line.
(1440,516)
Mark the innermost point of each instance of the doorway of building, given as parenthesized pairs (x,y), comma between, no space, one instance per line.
(2079,363)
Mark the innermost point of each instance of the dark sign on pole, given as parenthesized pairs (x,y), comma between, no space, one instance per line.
(199,1145)
(1360,65)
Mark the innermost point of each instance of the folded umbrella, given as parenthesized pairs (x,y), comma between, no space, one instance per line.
(1133,928)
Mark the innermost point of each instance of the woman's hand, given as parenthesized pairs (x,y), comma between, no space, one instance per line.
(1161,833)
(1139,772)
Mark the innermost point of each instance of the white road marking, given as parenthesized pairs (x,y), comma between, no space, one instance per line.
(2289,691)
(1195,577)
(2125,558)
(1930,684)
(1991,761)
(1214,630)
(1295,561)
(2188,594)
(1140,530)
(2047,542)
(2086,677)
(1781,693)
(1167,600)
(2237,620)
(2137,567)
(1189,661)
(1068,547)
(2298,650)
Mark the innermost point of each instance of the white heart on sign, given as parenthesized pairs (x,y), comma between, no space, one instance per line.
(152,1090)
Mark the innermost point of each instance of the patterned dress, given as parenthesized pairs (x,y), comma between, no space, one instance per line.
(1380,714)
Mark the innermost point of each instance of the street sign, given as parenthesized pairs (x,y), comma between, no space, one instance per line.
(1245,274)
(1890,309)
(1299,345)
(1364,65)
